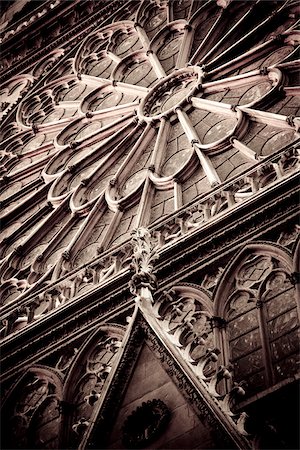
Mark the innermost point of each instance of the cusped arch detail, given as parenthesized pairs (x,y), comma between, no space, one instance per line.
(31,410)
(256,302)
(86,380)
(198,292)
(254,248)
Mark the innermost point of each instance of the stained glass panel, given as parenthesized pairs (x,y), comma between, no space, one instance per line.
(280,303)
(248,364)
(245,344)
(283,324)
(242,324)
(286,345)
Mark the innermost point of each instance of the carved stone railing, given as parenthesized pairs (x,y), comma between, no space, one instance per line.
(115,262)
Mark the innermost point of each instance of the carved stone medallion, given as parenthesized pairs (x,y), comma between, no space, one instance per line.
(145,424)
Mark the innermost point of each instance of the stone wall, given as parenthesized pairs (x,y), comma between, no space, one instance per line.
(149,381)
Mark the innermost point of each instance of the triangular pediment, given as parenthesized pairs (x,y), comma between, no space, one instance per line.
(147,373)
(152,390)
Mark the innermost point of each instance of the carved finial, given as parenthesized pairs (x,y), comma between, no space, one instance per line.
(143,281)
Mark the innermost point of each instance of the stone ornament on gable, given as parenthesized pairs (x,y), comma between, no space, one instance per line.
(143,281)
(145,424)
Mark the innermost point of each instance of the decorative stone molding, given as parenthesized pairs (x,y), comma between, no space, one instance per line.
(172,230)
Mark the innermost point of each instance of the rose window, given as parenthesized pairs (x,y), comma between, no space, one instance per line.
(153,113)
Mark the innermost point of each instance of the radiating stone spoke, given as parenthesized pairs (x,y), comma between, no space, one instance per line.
(218,96)
(212,106)
(116,110)
(202,47)
(137,149)
(156,65)
(248,35)
(227,35)
(208,168)
(160,144)
(130,88)
(185,47)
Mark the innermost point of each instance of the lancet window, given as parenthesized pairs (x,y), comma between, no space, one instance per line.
(262,321)
(55,407)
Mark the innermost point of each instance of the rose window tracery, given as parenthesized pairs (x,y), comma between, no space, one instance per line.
(154,112)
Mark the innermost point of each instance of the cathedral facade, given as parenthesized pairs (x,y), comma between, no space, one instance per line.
(149,239)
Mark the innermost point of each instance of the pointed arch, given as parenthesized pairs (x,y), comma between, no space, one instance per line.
(85,381)
(256,303)
(32,410)
(185,315)
(252,249)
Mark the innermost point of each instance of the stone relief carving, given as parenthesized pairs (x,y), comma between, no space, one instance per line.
(86,379)
(145,423)
(143,281)
(189,324)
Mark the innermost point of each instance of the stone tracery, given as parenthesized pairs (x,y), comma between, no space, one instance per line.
(80,146)
(259,305)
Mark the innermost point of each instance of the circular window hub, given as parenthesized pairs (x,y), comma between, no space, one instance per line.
(170,93)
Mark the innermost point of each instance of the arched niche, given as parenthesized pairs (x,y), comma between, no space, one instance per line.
(256,303)
(86,381)
(31,411)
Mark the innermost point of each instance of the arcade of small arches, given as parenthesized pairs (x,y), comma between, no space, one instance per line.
(149,115)
(160,118)
(243,328)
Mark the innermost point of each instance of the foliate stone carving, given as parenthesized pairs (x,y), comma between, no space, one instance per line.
(145,424)
(143,282)
(188,325)
(288,237)
(210,280)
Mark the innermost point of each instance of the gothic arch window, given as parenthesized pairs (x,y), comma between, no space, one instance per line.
(85,382)
(32,411)
(148,115)
(257,298)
